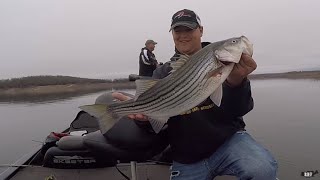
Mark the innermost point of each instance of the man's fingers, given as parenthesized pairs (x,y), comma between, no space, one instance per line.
(248,61)
(138,117)
(242,69)
(245,66)
(120,96)
(141,117)
(131,116)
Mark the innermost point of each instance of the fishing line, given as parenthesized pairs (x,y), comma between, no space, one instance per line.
(125,176)
(40,142)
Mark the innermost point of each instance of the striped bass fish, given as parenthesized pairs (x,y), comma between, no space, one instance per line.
(191,81)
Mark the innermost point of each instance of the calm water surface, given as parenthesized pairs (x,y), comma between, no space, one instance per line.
(285,119)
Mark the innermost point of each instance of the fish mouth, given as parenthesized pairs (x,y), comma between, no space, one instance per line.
(226,62)
(249,46)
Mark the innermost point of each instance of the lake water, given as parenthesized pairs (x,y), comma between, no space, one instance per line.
(285,119)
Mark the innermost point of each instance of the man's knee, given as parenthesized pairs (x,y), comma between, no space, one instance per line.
(257,162)
(259,169)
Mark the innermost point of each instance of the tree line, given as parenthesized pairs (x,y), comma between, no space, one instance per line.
(49,80)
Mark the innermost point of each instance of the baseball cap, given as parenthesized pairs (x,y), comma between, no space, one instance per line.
(150,41)
(186,18)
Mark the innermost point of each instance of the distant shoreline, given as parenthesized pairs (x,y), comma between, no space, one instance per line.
(288,75)
(50,92)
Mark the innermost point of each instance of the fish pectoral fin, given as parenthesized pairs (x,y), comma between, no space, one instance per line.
(105,117)
(158,123)
(179,63)
(216,96)
(143,85)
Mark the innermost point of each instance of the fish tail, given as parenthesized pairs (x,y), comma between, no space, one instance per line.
(106,118)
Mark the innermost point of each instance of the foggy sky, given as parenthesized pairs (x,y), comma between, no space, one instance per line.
(103,38)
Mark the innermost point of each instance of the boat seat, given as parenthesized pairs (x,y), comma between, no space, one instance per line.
(126,141)
(71,143)
(98,144)
(132,145)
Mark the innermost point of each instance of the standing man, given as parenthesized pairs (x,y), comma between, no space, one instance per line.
(213,141)
(147,60)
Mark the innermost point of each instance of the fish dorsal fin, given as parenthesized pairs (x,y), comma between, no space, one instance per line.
(143,85)
(180,62)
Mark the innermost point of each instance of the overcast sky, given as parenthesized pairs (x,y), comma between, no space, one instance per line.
(103,38)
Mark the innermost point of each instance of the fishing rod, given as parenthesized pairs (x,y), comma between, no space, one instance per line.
(22,165)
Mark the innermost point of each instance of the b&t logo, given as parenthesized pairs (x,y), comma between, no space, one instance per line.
(309,174)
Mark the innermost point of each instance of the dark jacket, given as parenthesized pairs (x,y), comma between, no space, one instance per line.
(147,62)
(199,132)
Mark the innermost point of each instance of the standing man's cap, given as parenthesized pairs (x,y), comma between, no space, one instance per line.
(149,41)
(186,18)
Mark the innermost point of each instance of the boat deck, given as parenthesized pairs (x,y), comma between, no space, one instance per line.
(145,171)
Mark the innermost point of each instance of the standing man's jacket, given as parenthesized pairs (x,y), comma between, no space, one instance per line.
(147,62)
(198,133)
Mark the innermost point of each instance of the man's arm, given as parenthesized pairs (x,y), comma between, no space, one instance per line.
(152,58)
(147,58)
(237,101)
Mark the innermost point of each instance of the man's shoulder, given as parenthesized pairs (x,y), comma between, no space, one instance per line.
(142,50)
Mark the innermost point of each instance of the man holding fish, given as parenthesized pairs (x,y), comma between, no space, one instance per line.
(201,95)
